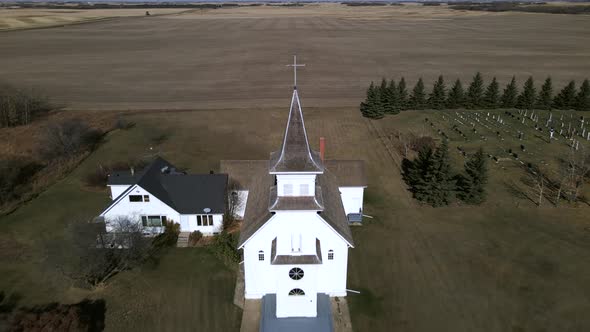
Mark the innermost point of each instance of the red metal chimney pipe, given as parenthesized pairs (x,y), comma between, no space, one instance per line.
(322,148)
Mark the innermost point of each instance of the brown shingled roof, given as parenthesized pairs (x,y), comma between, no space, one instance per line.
(257,209)
(295,154)
(350,173)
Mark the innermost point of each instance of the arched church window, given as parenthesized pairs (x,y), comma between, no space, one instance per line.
(296,292)
(330,254)
(261,255)
(296,273)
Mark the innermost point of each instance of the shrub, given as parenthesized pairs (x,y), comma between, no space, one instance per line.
(97,178)
(170,236)
(123,124)
(68,138)
(15,176)
(225,247)
(194,238)
(87,315)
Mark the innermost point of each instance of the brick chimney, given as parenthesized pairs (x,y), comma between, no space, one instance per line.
(322,148)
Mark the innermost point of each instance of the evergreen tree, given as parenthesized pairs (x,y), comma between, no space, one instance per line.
(475,92)
(419,174)
(566,99)
(385,97)
(528,96)
(429,175)
(438,96)
(418,97)
(456,98)
(583,98)
(544,100)
(402,94)
(510,94)
(471,187)
(393,99)
(492,94)
(444,184)
(372,107)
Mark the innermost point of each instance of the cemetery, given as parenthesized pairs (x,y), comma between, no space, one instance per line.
(530,153)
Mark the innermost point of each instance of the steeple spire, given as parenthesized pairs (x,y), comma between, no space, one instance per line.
(295,154)
(295,65)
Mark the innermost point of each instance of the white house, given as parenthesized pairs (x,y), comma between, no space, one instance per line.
(159,194)
(295,232)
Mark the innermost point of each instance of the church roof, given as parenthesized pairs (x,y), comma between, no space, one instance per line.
(185,193)
(257,208)
(350,173)
(295,154)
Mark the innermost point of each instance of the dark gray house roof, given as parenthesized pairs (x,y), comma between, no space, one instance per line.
(295,154)
(185,193)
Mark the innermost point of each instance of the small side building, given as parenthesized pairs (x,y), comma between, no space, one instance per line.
(159,194)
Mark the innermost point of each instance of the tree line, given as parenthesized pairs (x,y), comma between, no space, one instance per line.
(19,106)
(391,97)
(432,180)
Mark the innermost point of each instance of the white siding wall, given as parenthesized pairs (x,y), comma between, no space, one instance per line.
(352,198)
(117,190)
(191,225)
(155,207)
(295,182)
(263,278)
(134,210)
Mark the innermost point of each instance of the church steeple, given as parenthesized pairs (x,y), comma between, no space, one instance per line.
(295,154)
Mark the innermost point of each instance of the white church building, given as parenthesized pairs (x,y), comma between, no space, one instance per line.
(295,232)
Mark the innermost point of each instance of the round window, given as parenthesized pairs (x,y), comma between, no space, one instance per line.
(296,273)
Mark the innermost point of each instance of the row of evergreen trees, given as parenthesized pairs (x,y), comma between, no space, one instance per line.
(431,178)
(391,97)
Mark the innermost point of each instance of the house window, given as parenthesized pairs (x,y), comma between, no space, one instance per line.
(304,189)
(135,198)
(296,292)
(296,273)
(330,254)
(146,198)
(288,189)
(261,255)
(153,221)
(204,220)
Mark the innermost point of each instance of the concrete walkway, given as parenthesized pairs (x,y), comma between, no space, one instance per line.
(251,316)
(340,315)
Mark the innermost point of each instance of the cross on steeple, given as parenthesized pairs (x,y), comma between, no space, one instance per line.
(295,65)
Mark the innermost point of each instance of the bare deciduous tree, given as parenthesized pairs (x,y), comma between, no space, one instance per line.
(67,138)
(19,106)
(234,202)
(90,256)
(573,173)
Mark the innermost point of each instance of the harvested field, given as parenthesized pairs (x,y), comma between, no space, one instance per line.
(235,58)
(504,266)
(25,18)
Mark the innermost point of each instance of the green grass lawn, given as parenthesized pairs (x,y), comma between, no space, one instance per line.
(187,288)
(502,266)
